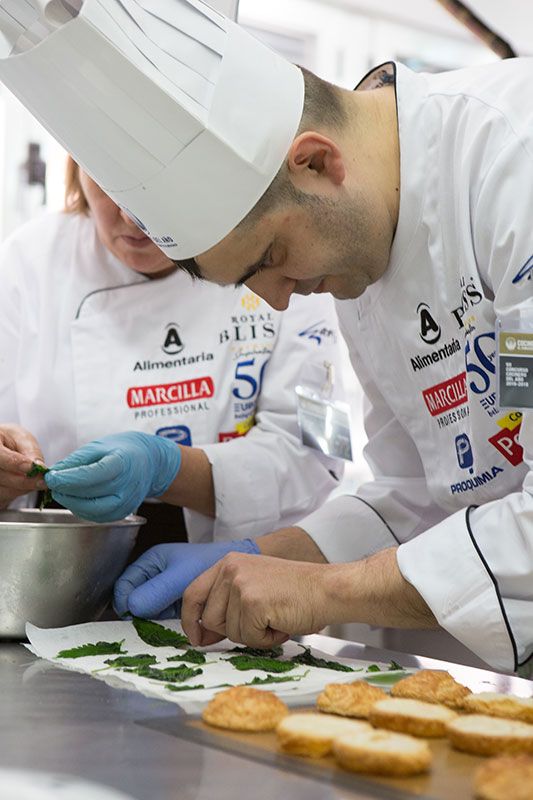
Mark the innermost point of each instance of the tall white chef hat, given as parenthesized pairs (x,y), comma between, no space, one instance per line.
(180,115)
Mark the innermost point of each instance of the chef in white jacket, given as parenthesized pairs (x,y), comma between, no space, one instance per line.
(410,201)
(100,333)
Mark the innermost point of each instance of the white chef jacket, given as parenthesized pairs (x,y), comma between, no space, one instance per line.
(453,481)
(89,347)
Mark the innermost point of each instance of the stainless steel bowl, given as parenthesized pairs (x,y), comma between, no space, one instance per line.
(57,569)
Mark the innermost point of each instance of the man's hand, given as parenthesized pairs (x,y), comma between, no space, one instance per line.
(257,600)
(261,601)
(153,585)
(18,450)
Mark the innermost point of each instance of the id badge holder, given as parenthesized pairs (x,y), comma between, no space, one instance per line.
(514,361)
(324,423)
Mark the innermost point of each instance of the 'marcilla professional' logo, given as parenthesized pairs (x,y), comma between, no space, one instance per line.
(165,394)
(446,395)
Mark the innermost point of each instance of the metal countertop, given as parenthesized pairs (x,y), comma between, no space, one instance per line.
(63,721)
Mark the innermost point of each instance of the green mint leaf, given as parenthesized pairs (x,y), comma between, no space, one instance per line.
(172,688)
(394,665)
(373,668)
(243,662)
(157,635)
(132,661)
(310,660)
(191,656)
(275,679)
(37,469)
(168,675)
(98,649)
(273,652)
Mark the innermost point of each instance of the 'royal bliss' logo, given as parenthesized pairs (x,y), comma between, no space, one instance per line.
(167,393)
(446,395)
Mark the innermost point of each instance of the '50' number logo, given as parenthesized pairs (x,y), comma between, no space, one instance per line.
(479,363)
(249,386)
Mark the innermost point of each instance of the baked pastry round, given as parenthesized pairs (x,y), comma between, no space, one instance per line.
(411,716)
(505,778)
(313,734)
(382,753)
(500,705)
(349,699)
(432,686)
(490,736)
(243,708)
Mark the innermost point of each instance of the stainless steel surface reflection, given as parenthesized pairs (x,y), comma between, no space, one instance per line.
(57,569)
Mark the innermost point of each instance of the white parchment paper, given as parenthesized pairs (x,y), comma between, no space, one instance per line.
(47,643)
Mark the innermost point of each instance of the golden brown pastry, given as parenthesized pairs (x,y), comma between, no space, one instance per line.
(411,716)
(500,705)
(432,686)
(243,708)
(349,699)
(490,736)
(313,734)
(505,778)
(382,753)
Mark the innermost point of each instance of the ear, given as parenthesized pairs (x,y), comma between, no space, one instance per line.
(313,156)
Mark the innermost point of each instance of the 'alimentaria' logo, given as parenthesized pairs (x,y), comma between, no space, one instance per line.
(172,344)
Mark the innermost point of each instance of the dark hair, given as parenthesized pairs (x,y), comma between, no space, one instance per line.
(190,266)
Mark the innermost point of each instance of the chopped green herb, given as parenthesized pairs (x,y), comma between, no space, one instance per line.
(394,665)
(98,649)
(171,687)
(275,679)
(242,662)
(191,656)
(373,668)
(312,661)
(157,635)
(274,652)
(169,674)
(34,472)
(132,661)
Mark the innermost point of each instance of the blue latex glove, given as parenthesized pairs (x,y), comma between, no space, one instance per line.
(109,478)
(152,586)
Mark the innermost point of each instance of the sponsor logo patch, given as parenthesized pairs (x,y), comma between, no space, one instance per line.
(505,441)
(180,434)
(446,351)
(446,395)
(172,344)
(525,272)
(319,332)
(227,437)
(167,393)
(250,301)
(463,449)
(470,296)
(478,480)
(429,328)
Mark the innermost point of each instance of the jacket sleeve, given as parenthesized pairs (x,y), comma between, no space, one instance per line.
(393,507)
(268,479)
(475,569)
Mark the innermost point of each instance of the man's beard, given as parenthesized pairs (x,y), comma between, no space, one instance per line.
(345,228)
